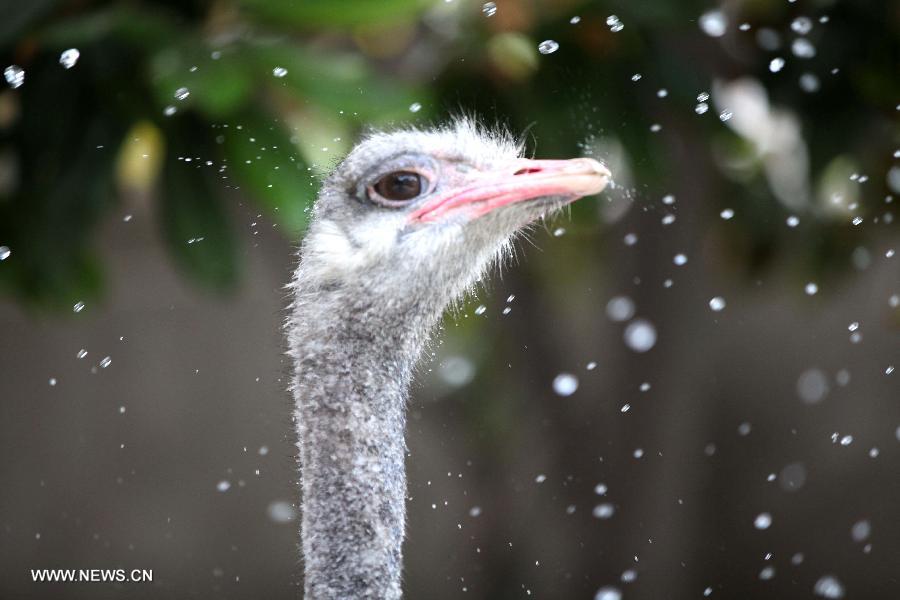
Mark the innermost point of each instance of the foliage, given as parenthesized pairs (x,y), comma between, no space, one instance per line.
(270,83)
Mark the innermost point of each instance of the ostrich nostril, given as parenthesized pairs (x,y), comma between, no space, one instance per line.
(527,170)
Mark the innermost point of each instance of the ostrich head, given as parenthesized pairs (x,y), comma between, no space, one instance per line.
(424,212)
(402,227)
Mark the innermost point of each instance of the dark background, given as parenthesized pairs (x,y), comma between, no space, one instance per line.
(177,232)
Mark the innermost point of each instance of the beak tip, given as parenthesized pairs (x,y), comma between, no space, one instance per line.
(599,168)
(601,172)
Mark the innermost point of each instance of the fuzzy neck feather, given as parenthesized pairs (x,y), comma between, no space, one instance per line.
(354,353)
(358,325)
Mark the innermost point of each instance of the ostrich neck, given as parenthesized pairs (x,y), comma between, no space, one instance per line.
(354,355)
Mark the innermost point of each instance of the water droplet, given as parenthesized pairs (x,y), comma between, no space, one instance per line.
(620,308)
(481,309)
(680,259)
(701,108)
(604,510)
(78,307)
(812,386)
(541,478)
(636,77)
(714,23)
(638,453)
(559,232)
(105,362)
(640,335)
(811,289)
(792,221)
(776,64)
(52,381)
(725,115)
(828,586)
(656,128)
(668,200)
(475,511)
(15,76)
(846,440)
(415,107)
(69,57)
(565,384)
(280,511)
(457,371)
(575,20)
(792,477)
(802,25)
(489,9)
(717,303)
(726,214)
(608,592)
(803,48)
(279,72)
(182,93)
(169,110)
(223,486)
(767,573)
(762,521)
(702,96)
(4,252)
(614,24)
(768,39)
(629,576)
(600,489)
(548,47)
(668,219)
(861,530)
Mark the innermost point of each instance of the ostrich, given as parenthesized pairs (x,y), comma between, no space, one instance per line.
(404,226)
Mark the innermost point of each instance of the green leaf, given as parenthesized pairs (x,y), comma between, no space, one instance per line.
(264,162)
(309,14)
(195,225)
(339,82)
(217,87)
(123,23)
(64,151)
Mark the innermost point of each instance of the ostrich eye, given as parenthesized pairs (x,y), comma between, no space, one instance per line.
(397,187)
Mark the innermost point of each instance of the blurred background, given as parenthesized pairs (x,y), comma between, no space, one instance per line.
(685,388)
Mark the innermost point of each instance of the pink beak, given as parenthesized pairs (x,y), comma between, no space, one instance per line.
(523,179)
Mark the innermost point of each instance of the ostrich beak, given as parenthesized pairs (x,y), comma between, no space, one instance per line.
(523,179)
